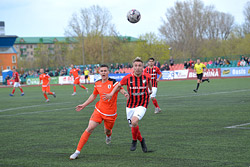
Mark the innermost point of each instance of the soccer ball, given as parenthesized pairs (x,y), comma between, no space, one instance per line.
(133,16)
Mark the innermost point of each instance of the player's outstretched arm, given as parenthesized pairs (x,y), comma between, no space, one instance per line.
(109,96)
(91,98)
(122,91)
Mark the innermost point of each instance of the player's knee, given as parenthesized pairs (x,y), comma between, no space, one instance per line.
(152,98)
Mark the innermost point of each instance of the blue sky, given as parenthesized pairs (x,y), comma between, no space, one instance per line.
(27,18)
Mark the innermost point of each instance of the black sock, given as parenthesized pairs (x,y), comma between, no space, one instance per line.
(204,80)
(198,84)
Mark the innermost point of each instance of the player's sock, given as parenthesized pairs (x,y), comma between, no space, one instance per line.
(13,91)
(204,80)
(84,138)
(83,87)
(45,95)
(74,88)
(198,84)
(134,131)
(109,133)
(155,103)
(21,90)
(139,137)
(50,93)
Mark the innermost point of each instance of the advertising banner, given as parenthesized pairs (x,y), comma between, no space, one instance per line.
(167,75)
(70,80)
(235,72)
(180,74)
(35,81)
(210,73)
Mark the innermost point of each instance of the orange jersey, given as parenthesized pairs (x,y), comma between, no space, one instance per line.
(106,107)
(74,71)
(45,78)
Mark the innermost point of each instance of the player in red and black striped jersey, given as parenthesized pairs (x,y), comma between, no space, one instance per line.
(153,71)
(139,89)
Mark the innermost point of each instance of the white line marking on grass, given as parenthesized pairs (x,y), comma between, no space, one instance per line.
(206,94)
(39,105)
(239,126)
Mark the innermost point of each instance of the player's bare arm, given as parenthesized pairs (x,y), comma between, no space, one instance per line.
(122,91)
(91,98)
(109,96)
(158,79)
(150,87)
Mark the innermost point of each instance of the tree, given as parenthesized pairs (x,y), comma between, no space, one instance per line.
(246,25)
(89,27)
(151,46)
(188,24)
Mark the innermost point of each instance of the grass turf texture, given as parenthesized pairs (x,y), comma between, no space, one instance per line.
(190,131)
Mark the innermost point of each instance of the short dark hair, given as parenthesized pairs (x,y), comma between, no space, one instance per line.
(151,58)
(104,65)
(137,59)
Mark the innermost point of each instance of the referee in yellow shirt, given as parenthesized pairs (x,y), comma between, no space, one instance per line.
(199,67)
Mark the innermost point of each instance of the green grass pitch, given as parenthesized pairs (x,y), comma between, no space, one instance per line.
(207,129)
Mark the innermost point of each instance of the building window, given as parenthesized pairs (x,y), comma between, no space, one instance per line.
(31,46)
(13,67)
(8,67)
(13,59)
(31,53)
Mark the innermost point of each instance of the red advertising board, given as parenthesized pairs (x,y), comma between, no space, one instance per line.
(210,73)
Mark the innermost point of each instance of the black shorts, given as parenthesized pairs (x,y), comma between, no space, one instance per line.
(199,76)
(86,76)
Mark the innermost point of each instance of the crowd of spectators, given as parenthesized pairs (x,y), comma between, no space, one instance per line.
(118,68)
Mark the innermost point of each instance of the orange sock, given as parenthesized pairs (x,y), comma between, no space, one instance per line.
(84,138)
(82,86)
(50,93)
(74,88)
(45,95)
(21,90)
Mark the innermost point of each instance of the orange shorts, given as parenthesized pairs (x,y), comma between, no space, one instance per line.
(77,81)
(46,89)
(109,121)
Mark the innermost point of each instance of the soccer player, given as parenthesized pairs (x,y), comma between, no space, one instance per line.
(139,88)
(153,71)
(17,84)
(45,85)
(198,67)
(105,110)
(75,71)
(86,75)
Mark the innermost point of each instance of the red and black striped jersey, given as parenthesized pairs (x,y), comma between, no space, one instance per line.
(137,88)
(153,72)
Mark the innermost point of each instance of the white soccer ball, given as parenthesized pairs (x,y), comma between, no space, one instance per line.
(133,16)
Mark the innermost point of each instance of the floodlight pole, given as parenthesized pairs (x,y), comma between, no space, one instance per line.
(83,56)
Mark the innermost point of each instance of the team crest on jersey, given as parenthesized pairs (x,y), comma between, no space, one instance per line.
(153,70)
(144,81)
(109,86)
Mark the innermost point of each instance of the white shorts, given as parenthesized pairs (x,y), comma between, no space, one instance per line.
(138,112)
(154,91)
(16,84)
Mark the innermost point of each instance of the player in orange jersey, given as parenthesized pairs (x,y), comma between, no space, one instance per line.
(76,76)
(105,110)
(45,85)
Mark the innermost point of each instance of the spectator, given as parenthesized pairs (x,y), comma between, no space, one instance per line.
(217,63)
(112,67)
(21,72)
(226,62)
(186,65)
(129,65)
(47,70)
(63,72)
(163,68)
(191,63)
(57,72)
(51,74)
(242,62)
(248,61)
(210,62)
(6,79)
(171,61)
(158,64)
(167,67)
